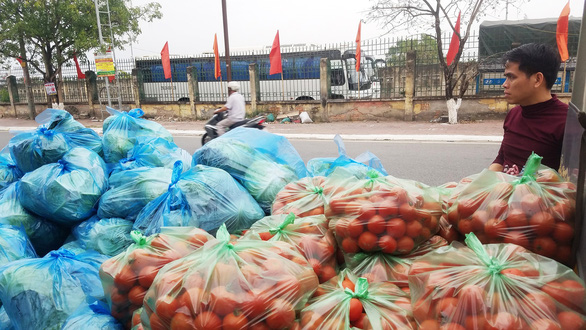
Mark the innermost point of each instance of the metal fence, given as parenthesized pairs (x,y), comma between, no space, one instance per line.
(300,77)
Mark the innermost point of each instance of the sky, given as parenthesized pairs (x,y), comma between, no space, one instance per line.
(189,25)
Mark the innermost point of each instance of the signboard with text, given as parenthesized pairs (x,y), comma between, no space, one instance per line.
(50,88)
(105,65)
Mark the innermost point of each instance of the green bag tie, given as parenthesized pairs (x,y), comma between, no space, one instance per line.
(288,221)
(318,190)
(360,289)
(493,265)
(222,234)
(531,166)
(139,239)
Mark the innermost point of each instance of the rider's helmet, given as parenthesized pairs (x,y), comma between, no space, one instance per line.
(233,85)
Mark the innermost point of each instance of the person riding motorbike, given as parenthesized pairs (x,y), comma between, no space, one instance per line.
(235,106)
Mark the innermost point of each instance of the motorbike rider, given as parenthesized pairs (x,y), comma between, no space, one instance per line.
(235,106)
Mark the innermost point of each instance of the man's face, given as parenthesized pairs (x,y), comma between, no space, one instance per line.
(519,88)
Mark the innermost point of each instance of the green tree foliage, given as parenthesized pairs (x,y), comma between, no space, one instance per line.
(46,33)
(425,46)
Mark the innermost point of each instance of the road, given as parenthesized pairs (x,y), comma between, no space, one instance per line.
(432,163)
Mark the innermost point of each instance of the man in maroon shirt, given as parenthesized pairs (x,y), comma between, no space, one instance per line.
(538,122)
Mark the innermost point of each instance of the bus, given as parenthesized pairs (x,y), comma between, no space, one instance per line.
(300,80)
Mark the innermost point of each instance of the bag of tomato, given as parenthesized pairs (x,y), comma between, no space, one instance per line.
(303,197)
(535,210)
(127,276)
(494,286)
(381,213)
(382,267)
(310,235)
(231,285)
(349,302)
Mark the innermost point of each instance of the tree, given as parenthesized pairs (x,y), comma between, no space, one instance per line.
(425,47)
(402,14)
(46,33)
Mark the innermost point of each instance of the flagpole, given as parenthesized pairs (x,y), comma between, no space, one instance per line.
(221,87)
(172,89)
(564,78)
(282,85)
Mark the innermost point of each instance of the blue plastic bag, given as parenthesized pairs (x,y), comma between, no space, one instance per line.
(121,130)
(277,147)
(153,152)
(14,244)
(261,175)
(42,293)
(358,166)
(107,236)
(92,315)
(68,191)
(56,135)
(131,190)
(203,197)
(9,172)
(43,234)
(5,323)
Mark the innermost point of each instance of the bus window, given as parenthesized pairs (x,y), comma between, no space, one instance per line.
(337,77)
(353,76)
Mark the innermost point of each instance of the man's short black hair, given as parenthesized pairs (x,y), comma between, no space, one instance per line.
(533,58)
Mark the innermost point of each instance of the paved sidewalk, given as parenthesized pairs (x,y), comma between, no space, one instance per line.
(478,131)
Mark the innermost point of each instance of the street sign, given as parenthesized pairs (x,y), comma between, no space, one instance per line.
(105,65)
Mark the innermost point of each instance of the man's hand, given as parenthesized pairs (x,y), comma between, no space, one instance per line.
(220,110)
(496,167)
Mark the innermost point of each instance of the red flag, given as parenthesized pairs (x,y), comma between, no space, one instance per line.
(166,61)
(561,33)
(21,62)
(358,47)
(80,75)
(275,56)
(217,69)
(455,43)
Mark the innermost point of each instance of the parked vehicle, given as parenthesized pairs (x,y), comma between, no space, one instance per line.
(212,131)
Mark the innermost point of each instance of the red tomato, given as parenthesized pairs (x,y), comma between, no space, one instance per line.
(497,208)
(516,218)
(327,273)
(542,223)
(376,224)
(513,272)
(355,309)
(136,295)
(265,236)
(564,254)
(544,246)
(396,227)
(387,243)
(569,292)
(472,298)
(235,322)
(429,325)
(341,228)
(281,314)
(446,306)
(545,324)
(125,279)
(495,228)
(563,232)
(413,228)
(532,204)
(405,244)
(517,237)
(346,283)
(367,211)
(465,226)
(467,206)
(182,322)
(540,301)
(571,320)
(388,208)
(407,212)
(156,323)
(208,321)
(479,219)
(166,306)
(147,276)
(367,241)
(350,245)
(502,321)
(355,227)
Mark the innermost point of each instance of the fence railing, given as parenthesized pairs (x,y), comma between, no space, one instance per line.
(300,77)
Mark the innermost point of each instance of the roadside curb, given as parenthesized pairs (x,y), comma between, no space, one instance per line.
(346,137)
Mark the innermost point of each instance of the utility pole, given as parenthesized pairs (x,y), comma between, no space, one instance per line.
(226,42)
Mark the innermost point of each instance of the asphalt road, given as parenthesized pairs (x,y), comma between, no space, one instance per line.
(432,163)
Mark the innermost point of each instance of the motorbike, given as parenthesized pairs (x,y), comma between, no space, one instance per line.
(212,131)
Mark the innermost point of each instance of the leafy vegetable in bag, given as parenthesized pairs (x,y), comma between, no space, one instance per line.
(44,235)
(264,179)
(131,190)
(9,172)
(310,235)
(349,302)
(357,167)
(495,286)
(68,191)
(242,284)
(127,276)
(42,293)
(122,129)
(203,197)
(93,314)
(153,152)
(57,134)
(14,244)
(535,210)
(107,236)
